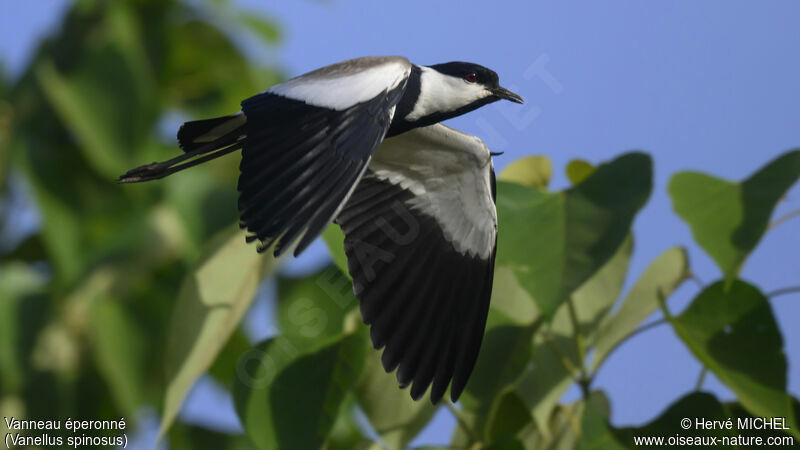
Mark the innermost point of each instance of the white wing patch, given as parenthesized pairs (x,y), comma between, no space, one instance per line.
(340,86)
(449,174)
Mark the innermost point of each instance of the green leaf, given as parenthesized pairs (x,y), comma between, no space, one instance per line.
(578,170)
(735,411)
(185,436)
(509,416)
(213,298)
(390,410)
(542,387)
(291,400)
(18,282)
(119,352)
(6,123)
(596,433)
(534,171)
(556,241)
(510,300)
(82,103)
(261,25)
(334,240)
(312,307)
(659,280)
(507,444)
(61,227)
(728,219)
(505,353)
(223,369)
(733,332)
(560,347)
(593,300)
(346,432)
(209,86)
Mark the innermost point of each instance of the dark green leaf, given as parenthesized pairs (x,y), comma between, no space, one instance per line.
(105,129)
(223,369)
(733,332)
(312,308)
(697,405)
(291,400)
(508,417)
(727,218)
(390,410)
(596,433)
(504,355)
(756,426)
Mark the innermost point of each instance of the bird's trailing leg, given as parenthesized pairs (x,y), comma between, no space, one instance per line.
(157,170)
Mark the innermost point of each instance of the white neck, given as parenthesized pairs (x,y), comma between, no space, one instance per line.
(443,93)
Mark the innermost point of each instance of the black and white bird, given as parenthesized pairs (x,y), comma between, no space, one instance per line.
(359,143)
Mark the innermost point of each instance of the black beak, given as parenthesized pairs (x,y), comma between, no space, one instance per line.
(505,94)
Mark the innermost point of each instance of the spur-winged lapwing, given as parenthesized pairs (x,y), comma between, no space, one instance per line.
(360,143)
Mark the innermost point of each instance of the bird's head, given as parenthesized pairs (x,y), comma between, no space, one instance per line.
(475,81)
(451,89)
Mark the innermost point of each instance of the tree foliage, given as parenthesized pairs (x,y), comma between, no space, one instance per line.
(124,296)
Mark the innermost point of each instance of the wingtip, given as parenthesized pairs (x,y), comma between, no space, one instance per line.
(456,388)
(417,391)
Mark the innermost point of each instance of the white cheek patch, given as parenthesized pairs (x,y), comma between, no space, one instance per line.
(342,92)
(442,93)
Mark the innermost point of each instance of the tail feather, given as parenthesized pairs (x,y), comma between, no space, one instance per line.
(225,129)
(202,140)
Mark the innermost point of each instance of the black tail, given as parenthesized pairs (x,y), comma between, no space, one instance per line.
(210,137)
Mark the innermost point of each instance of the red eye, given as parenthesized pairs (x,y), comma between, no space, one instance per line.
(471,77)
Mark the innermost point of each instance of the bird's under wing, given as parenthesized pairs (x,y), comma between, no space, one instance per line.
(420,237)
(308,142)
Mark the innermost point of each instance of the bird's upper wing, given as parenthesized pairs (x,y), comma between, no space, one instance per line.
(309,141)
(420,237)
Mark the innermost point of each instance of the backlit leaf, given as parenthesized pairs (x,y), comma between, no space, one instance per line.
(556,241)
(659,280)
(534,171)
(213,298)
(578,170)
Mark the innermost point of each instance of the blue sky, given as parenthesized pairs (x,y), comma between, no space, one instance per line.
(709,86)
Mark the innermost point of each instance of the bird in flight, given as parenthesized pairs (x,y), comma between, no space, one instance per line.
(360,143)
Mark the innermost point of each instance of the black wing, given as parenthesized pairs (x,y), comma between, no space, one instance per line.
(308,142)
(420,237)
